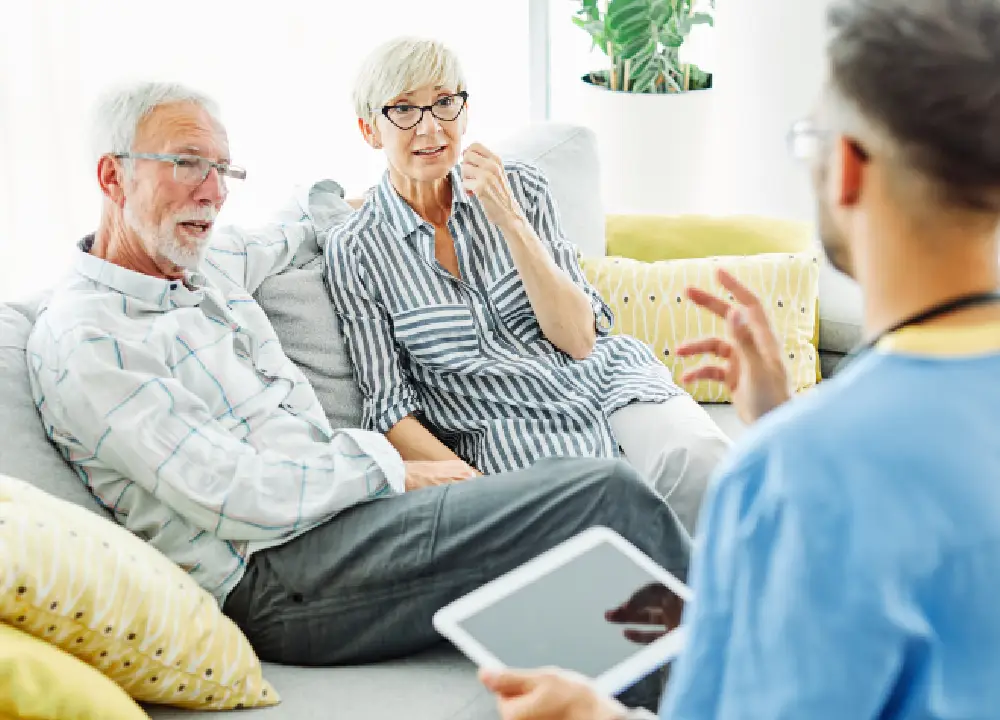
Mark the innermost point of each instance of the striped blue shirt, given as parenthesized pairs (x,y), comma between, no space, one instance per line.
(175,403)
(467,356)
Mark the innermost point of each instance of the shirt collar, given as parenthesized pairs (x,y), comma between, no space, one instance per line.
(159,292)
(398,212)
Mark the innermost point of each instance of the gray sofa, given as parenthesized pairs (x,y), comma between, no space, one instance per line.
(439,684)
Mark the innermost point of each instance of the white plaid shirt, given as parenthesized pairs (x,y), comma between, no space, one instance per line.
(178,408)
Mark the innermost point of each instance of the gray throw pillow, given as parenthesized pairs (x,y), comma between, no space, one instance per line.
(25,451)
(298,305)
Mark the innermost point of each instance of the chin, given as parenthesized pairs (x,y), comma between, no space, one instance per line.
(183,253)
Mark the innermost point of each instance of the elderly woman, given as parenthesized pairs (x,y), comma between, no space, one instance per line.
(472,330)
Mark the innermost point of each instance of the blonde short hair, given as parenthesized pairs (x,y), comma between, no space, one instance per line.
(402,65)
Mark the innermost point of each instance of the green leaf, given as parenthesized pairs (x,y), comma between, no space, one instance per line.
(702,19)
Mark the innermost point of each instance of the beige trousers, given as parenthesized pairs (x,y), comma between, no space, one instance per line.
(675,445)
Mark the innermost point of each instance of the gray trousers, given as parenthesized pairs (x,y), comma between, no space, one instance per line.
(364,586)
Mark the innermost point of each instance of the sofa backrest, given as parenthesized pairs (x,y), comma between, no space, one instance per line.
(25,451)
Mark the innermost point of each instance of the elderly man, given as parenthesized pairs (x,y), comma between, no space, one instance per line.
(163,383)
(851,546)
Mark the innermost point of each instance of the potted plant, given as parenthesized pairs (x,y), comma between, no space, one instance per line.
(649,106)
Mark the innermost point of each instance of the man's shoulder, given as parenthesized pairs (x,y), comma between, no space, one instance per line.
(78,310)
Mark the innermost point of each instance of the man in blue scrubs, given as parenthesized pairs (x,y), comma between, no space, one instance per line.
(848,564)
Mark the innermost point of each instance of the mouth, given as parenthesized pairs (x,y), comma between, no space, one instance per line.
(198,228)
(431,152)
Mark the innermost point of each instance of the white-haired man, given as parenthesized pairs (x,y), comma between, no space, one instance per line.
(163,383)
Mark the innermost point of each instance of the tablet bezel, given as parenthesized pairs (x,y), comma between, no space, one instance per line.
(614,680)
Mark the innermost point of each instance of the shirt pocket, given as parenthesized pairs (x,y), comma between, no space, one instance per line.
(513,307)
(437,335)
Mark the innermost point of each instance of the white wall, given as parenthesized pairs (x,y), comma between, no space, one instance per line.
(767,60)
(770,67)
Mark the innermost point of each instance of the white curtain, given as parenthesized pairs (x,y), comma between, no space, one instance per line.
(282,72)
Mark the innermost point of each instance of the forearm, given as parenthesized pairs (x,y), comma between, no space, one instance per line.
(415,442)
(562,307)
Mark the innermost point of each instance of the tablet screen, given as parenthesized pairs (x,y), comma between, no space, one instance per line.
(560,619)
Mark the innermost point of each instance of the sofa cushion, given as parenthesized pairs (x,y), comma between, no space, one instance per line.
(840,311)
(97,591)
(41,682)
(436,685)
(25,451)
(649,302)
(674,237)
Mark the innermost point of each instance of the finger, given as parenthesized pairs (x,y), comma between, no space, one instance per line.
(710,346)
(716,306)
(644,637)
(708,372)
(745,336)
(743,294)
(481,150)
(508,683)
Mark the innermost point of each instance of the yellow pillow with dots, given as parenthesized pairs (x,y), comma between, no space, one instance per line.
(92,588)
(649,302)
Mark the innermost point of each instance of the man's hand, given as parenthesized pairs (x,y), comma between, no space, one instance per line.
(753,367)
(428,473)
(653,604)
(549,694)
(483,176)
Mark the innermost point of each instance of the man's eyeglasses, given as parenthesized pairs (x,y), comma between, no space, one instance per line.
(805,140)
(406,116)
(190,169)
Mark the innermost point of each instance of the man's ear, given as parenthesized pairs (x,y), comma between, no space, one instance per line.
(110,175)
(370,134)
(852,160)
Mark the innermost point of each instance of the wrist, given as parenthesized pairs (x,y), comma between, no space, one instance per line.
(514,225)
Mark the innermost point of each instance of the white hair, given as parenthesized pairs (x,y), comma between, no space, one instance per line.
(402,65)
(119,112)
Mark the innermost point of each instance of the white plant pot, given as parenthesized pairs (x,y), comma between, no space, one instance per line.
(653,148)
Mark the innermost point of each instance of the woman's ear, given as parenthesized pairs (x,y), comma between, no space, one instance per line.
(370,134)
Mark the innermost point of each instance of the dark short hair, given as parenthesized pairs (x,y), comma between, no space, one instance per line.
(928,73)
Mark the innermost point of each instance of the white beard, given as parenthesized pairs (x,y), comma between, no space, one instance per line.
(162,241)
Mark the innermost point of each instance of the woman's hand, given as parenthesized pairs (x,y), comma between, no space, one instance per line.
(483,176)
(549,694)
(752,366)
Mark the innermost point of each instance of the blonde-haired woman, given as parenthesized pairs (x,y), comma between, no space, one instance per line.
(474,334)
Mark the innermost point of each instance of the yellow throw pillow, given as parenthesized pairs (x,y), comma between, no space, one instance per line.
(92,588)
(649,302)
(651,238)
(39,681)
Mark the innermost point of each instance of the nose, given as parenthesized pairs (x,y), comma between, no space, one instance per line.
(428,124)
(212,190)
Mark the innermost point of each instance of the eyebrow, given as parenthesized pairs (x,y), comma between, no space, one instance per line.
(405,97)
(195,150)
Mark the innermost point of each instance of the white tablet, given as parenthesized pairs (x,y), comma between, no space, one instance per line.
(553,611)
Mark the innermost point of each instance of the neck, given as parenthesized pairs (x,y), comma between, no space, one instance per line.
(117,243)
(431,200)
(906,273)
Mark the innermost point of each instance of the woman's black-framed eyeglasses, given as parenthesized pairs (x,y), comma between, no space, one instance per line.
(406,116)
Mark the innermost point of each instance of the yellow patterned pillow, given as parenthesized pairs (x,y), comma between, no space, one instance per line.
(649,302)
(92,588)
(41,682)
